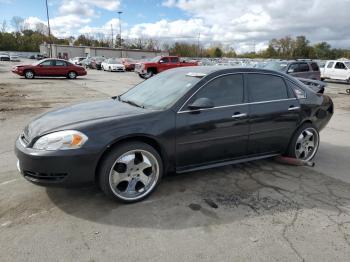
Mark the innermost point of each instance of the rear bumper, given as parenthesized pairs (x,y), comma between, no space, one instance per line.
(66,167)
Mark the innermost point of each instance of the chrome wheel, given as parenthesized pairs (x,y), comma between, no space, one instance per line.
(134,174)
(29,74)
(307,144)
(72,75)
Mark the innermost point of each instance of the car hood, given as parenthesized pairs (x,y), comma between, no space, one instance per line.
(116,64)
(67,117)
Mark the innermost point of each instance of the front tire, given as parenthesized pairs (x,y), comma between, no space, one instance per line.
(130,172)
(305,143)
(149,74)
(29,74)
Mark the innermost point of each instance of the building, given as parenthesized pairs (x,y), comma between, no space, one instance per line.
(68,51)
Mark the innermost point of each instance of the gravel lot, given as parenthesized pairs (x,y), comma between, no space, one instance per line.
(259,211)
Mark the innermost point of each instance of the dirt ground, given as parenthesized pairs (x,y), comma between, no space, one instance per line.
(258,211)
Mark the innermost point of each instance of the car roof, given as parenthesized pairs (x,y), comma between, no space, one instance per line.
(225,69)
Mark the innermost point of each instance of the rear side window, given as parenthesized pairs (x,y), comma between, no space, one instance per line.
(223,91)
(315,67)
(60,63)
(174,59)
(330,65)
(339,65)
(304,67)
(266,87)
(297,91)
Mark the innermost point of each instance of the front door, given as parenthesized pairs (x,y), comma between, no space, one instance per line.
(274,113)
(45,68)
(213,134)
(340,71)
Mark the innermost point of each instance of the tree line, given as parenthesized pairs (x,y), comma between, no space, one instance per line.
(27,38)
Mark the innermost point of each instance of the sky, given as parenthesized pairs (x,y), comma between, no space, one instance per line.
(244,25)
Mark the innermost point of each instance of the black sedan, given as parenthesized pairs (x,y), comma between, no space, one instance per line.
(181,120)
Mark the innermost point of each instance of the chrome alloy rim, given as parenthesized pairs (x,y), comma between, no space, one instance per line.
(134,174)
(72,75)
(307,144)
(29,74)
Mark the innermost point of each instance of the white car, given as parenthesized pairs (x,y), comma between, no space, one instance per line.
(113,64)
(4,57)
(14,58)
(76,60)
(336,70)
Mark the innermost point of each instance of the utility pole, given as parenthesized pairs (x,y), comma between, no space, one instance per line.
(199,36)
(120,29)
(48,25)
(112,34)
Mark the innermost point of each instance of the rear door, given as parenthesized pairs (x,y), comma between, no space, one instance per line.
(274,113)
(328,70)
(174,62)
(304,70)
(214,134)
(61,68)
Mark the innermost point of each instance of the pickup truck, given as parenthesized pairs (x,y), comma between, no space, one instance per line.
(159,64)
(336,70)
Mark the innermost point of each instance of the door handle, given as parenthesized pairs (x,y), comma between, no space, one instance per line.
(239,115)
(292,108)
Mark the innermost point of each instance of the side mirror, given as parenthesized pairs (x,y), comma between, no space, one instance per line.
(290,70)
(161,61)
(201,103)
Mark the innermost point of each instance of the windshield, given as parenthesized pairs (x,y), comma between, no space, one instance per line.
(347,64)
(114,61)
(155,59)
(278,66)
(160,91)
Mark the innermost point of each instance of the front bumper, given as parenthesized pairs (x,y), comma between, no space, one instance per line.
(65,167)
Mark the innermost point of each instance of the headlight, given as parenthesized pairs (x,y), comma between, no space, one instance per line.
(61,140)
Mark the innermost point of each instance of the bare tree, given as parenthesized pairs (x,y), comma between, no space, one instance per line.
(41,28)
(4,26)
(17,23)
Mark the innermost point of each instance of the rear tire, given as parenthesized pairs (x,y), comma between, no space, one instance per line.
(29,74)
(305,143)
(130,172)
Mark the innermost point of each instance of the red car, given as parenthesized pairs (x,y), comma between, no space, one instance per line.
(129,64)
(159,64)
(50,67)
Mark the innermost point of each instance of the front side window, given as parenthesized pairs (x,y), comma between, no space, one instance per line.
(165,60)
(304,67)
(223,91)
(339,65)
(47,63)
(266,88)
(174,59)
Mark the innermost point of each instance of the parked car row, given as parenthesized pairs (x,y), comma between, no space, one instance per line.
(8,57)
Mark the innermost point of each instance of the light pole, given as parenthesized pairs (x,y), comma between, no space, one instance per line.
(120,29)
(48,25)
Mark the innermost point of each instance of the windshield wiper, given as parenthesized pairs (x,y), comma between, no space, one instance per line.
(132,103)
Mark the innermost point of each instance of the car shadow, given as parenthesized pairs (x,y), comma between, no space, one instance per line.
(213,197)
